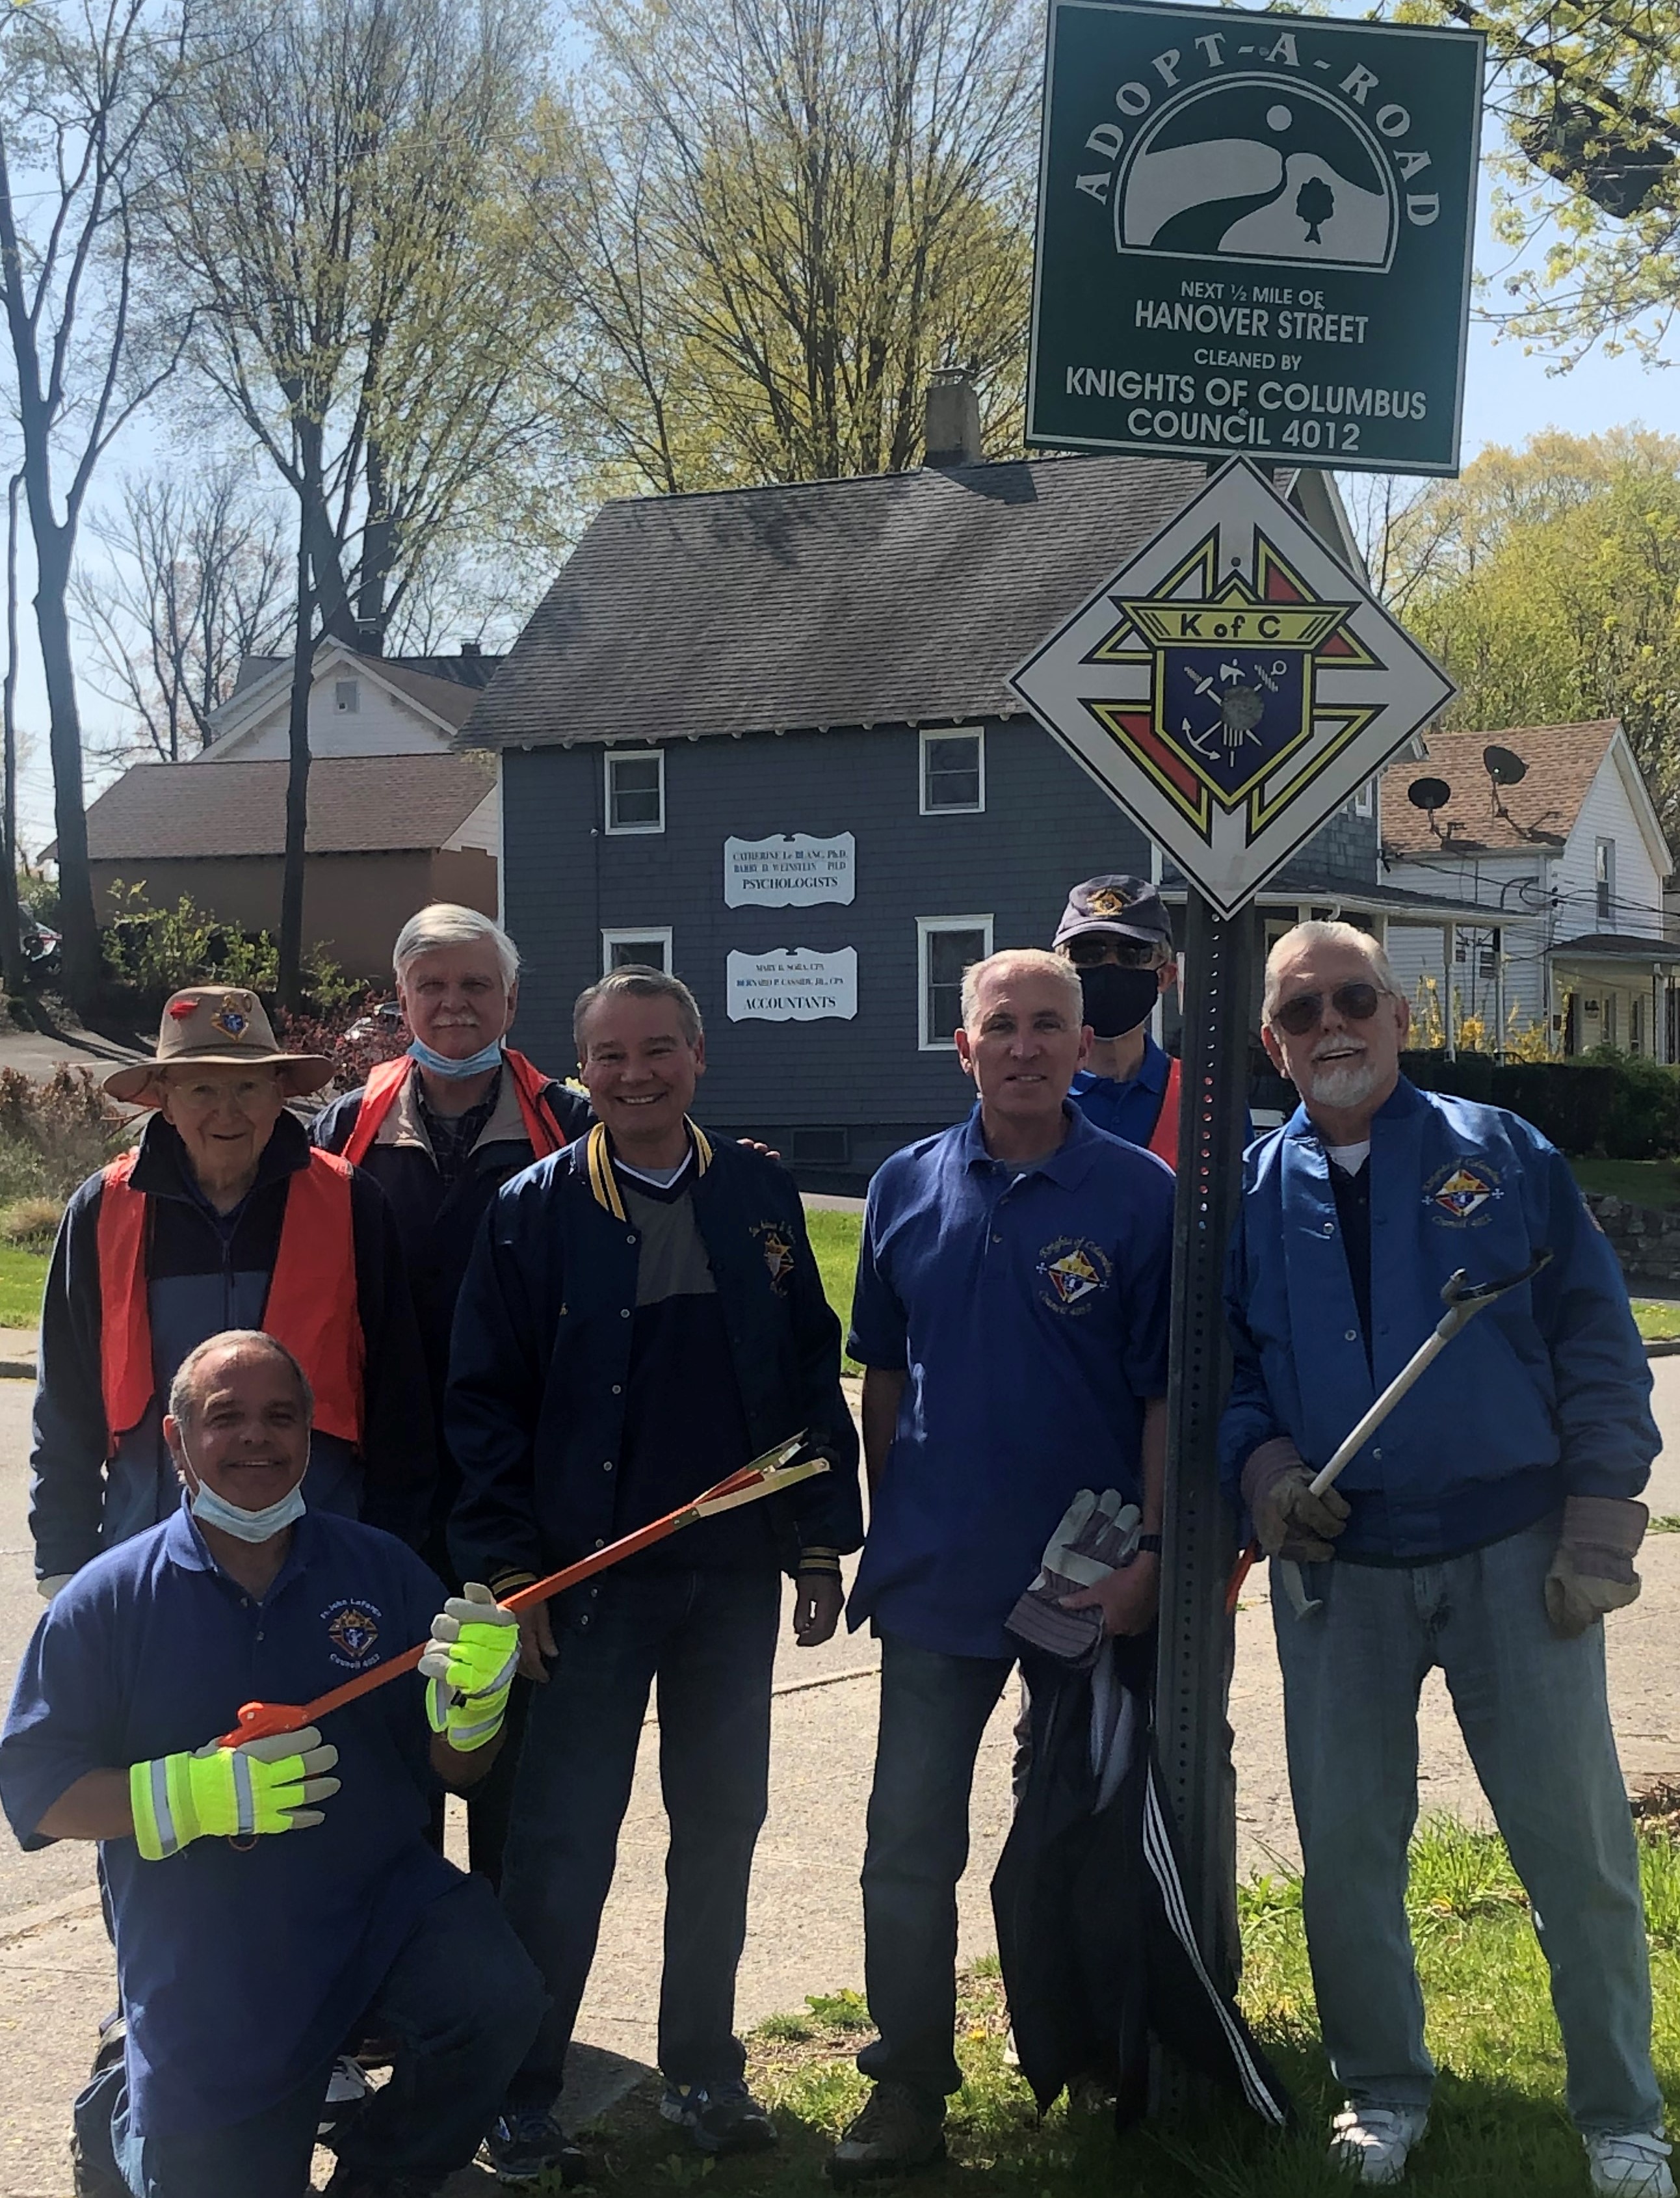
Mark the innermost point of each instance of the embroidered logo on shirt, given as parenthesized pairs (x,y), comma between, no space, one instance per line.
(778,1252)
(1074,1270)
(353,1629)
(1459,1193)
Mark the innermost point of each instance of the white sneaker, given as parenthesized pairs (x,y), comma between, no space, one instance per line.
(1631,2164)
(346,2088)
(1376,2140)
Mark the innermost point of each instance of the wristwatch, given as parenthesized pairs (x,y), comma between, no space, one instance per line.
(1148,1545)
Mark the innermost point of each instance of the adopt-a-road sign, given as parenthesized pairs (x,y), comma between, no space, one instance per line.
(1254,236)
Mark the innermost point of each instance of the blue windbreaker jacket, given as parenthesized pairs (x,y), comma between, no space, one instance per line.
(1544,1395)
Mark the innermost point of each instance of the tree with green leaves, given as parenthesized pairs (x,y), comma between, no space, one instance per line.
(1588,168)
(339,186)
(770,221)
(1547,580)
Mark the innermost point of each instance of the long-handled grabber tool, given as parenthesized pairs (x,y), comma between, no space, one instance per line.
(1463,1301)
(765,1476)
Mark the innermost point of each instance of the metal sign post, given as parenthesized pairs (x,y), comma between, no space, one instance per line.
(1230,689)
(1254,233)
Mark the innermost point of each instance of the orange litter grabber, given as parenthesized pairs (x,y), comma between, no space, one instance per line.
(765,1476)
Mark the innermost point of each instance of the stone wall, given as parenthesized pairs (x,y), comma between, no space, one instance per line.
(1647,1241)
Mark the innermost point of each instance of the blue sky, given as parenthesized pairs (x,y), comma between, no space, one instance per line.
(1508,397)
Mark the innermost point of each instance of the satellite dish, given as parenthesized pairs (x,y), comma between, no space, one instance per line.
(1430,793)
(1502,767)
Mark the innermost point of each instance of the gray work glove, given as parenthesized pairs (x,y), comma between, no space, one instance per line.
(1592,1566)
(1289,1520)
(1097,1535)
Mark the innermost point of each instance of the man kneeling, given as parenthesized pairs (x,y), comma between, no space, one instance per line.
(245,1957)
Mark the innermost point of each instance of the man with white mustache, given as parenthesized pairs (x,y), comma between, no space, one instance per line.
(1486,1527)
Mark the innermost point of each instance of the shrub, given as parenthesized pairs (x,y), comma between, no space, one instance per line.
(329,1033)
(30,1220)
(150,953)
(54,1135)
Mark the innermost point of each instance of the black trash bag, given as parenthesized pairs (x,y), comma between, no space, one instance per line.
(1094,1930)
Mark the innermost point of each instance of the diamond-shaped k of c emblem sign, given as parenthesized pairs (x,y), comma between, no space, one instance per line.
(1232,686)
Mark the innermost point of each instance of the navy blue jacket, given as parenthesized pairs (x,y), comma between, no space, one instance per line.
(1544,1395)
(540,1360)
(202,1282)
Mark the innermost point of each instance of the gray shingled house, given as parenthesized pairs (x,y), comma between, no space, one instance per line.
(763,738)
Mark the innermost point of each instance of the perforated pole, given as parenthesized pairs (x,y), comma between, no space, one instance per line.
(1193,1678)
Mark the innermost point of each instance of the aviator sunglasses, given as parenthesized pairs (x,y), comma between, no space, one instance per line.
(1355,1004)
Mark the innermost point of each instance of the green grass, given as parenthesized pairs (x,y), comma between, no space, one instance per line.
(23,1277)
(1499,2125)
(833,1238)
(1640,1182)
(1658,1318)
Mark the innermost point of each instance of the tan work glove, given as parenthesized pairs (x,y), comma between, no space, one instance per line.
(1592,1566)
(1289,1520)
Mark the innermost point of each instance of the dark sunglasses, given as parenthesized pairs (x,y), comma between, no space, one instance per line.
(1090,953)
(1355,1003)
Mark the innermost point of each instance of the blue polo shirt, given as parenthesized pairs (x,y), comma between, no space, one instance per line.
(1128,1110)
(1030,1312)
(240,1974)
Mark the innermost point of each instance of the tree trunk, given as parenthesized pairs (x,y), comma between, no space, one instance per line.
(297,783)
(11,941)
(78,927)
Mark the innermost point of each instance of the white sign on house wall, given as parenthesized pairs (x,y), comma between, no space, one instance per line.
(789,870)
(792,985)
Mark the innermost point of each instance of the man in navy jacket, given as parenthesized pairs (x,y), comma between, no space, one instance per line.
(641,1317)
(1486,1527)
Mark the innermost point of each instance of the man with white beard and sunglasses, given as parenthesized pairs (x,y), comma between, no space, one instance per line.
(1486,1527)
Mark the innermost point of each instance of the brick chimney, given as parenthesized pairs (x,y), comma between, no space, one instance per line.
(952,420)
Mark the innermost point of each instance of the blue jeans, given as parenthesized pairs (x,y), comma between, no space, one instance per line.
(461,2000)
(708,1639)
(1536,1720)
(934,1712)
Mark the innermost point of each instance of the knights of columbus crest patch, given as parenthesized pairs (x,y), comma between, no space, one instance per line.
(1074,1270)
(353,1629)
(1462,1192)
(778,1255)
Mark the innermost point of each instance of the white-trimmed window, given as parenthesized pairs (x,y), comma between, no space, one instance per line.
(953,772)
(1364,801)
(1604,879)
(646,944)
(946,946)
(347,696)
(635,790)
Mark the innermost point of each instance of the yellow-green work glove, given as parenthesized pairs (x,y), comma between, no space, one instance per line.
(260,1786)
(469,1668)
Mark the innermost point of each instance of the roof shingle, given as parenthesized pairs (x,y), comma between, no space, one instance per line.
(891,599)
(1540,810)
(357,805)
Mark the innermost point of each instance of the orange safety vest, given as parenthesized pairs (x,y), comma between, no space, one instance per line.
(379,1096)
(1164,1138)
(312,1305)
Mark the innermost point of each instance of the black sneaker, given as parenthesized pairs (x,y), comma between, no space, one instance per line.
(718,2117)
(898,2133)
(527,2141)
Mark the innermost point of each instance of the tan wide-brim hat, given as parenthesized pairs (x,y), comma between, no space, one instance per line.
(216,1026)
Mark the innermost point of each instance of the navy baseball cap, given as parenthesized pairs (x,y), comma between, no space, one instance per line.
(1129,908)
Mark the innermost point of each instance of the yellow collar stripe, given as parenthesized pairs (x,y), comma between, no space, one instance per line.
(604,1184)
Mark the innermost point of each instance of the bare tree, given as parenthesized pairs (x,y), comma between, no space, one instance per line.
(79,103)
(770,220)
(338,179)
(11,927)
(198,576)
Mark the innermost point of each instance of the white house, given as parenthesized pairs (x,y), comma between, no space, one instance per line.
(1550,830)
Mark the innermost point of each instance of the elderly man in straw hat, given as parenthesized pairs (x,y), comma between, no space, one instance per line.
(222,1217)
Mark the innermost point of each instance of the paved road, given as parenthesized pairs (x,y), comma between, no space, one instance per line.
(805,1932)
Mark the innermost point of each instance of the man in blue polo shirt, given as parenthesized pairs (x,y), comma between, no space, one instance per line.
(262,1909)
(1011,1316)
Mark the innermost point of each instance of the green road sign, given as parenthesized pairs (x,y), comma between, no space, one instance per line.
(1254,236)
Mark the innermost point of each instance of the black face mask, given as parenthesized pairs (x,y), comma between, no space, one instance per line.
(1118,1000)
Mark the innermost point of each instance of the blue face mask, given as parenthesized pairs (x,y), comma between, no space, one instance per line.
(439,1064)
(210,1509)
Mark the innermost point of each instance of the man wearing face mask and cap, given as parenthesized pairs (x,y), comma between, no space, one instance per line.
(1116,931)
